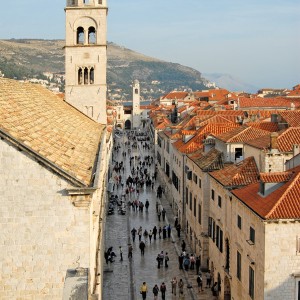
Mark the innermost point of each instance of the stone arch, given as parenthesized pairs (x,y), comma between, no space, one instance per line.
(127,124)
(92,38)
(80,35)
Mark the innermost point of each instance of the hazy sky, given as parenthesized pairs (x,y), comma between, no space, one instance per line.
(257,41)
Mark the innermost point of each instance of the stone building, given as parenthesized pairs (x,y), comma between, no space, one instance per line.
(53,170)
(86,57)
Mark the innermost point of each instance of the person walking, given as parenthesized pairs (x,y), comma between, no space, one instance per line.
(174,285)
(198,262)
(155,291)
(183,246)
(158,261)
(208,279)
(121,253)
(147,205)
(166,260)
(144,290)
(169,230)
(200,283)
(150,235)
(180,288)
(154,232)
(133,233)
(140,232)
(164,232)
(130,250)
(178,229)
(163,290)
(163,212)
(159,232)
(158,215)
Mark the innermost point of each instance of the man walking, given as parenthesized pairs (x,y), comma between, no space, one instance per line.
(142,248)
(144,290)
(163,289)
(174,285)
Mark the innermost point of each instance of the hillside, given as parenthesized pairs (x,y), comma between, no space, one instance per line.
(24,59)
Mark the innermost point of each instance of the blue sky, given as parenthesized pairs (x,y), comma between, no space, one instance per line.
(257,41)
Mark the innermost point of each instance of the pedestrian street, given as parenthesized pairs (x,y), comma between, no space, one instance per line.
(123,278)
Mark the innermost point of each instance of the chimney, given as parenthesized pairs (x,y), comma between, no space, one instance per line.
(274,145)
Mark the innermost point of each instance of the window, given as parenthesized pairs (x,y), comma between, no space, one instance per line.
(195,178)
(80,35)
(219,201)
(239,222)
(158,158)
(167,169)
(252,235)
(186,196)
(92,35)
(219,239)
(191,200)
(211,228)
(212,194)
(159,141)
(238,265)
(195,207)
(99,1)
(199,182)
(136,91)
(199,213)
(251,283)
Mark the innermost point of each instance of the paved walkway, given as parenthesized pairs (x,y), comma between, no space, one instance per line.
(122,279)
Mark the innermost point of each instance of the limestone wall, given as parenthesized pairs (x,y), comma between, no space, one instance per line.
(281,247)
(42,233)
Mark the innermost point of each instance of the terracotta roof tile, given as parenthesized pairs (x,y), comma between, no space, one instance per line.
(212,160)
(55,130)
(283,203)
(236,175)
(291,117)
(267,126)
(275,177)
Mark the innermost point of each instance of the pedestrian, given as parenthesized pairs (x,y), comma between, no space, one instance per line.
(163,290)
(158,261)
(186,262)
(161,256)
(166,260)
(200,283)
(176,222)
(155,291)
(159,232)
(180,287)
(174,285)
(156,206)
(169,230)
(144,290)
(214,289)
(145,234)
(164,232)
(121,253)
(208,279)
(154,232)
(140,232)
(183,246)
(147,205)
(163,212)
(180,261)
(178,229)
(198,262)
(192,261)
(133,233)
(130,250)
(150,235)
(158,215)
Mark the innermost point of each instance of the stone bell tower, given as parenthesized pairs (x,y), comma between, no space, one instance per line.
(86,57)
(136,100)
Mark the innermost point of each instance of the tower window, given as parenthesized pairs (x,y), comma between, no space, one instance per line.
(92,35)
(136,91)
(92,73)
(80,35)
(99,1)
(86,75)
(80,81)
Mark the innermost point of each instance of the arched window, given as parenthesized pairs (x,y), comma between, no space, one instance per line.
(80,76)
(92,35)
(86,76)
(92,74)
(80,35)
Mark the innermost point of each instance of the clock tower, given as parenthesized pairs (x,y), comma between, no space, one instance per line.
(86,57)
(136,110)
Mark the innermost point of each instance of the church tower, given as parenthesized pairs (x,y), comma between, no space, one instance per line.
(136,110)
(86,57)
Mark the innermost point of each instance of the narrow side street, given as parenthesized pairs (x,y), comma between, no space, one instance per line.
(123,279)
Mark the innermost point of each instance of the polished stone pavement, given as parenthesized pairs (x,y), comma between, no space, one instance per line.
(122,279)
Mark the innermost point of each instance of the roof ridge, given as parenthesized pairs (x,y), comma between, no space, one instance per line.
(291,184)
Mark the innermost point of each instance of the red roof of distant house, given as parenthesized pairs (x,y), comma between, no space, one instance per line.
(278,103)
(267,126)
(291,117)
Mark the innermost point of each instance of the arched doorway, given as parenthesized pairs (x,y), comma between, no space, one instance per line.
(227,289)
(128,124)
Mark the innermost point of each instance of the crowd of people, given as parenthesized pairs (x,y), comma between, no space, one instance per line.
(139,166)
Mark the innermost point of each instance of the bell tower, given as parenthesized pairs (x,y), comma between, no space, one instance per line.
(86,57)
(136,110)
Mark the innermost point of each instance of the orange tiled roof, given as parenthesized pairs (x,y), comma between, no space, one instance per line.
(175,95)
(267,126)
(278,102)
(37,119)
(283,203)
(291,117)
(275,176)
(241,134)
(212,160)
(236,175)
